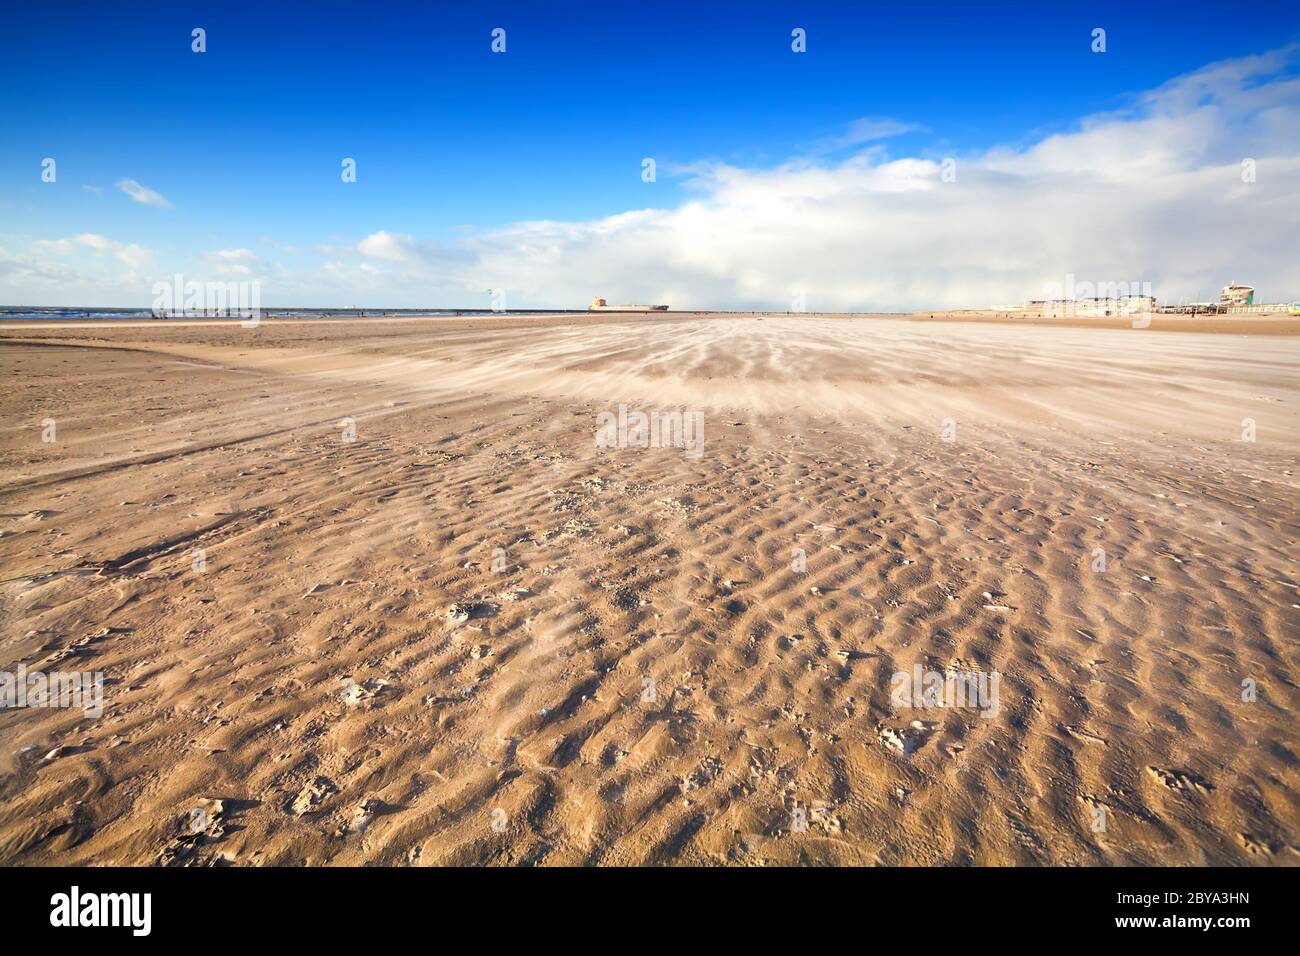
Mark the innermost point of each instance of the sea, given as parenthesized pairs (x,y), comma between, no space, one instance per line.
(82,313)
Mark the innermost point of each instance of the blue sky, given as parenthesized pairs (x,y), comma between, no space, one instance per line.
(244,141)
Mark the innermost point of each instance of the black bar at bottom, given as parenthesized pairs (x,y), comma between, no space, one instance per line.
(333,905)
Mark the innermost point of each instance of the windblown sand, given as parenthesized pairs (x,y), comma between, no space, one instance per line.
(472,636)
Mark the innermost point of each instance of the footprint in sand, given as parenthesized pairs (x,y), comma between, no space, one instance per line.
(463,611)
(202,823)
(1182,780)
(311,796)
(907,740)
(1257,845)
(354,693)
(1084,735)
(362,815)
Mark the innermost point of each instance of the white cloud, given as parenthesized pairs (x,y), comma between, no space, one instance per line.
(1152,194)
(870,128)
(241,261)
(131,254)
(85,269)
(389,246)
(143,194)
(867,129)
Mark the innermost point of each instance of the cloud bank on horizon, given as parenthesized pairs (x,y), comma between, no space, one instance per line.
(1195,184)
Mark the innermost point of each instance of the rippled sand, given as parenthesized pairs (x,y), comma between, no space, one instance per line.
(472,636)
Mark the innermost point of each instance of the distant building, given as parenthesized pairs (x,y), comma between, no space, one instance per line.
(1234,294)
(1097,306)
(1051,308)
(1235,299)
(1119,305)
